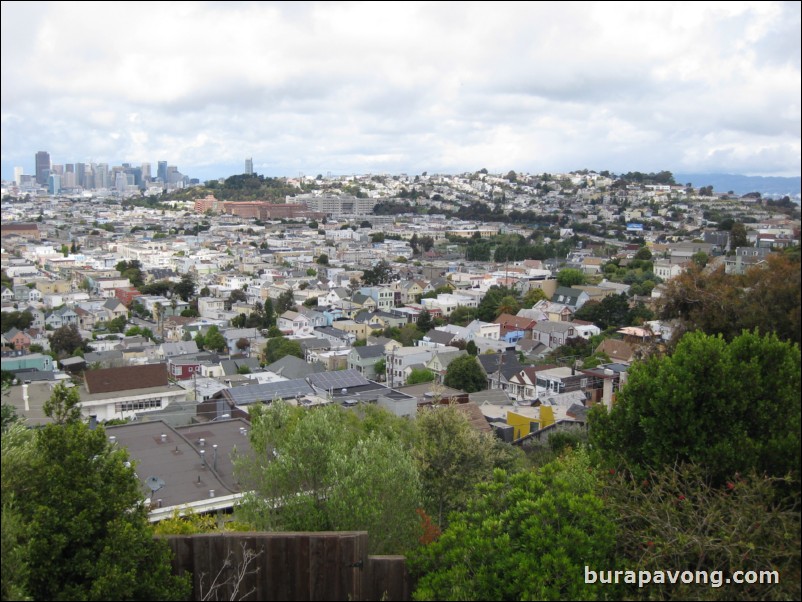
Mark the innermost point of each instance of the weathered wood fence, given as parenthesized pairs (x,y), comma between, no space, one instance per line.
(288,566)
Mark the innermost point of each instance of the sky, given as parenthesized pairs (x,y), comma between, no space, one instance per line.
(404,87)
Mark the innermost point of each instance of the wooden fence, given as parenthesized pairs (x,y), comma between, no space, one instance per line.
(288,566)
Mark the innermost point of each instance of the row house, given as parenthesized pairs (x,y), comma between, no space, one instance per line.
(553,334)
(364,359)
(294,323)
(62,317)
(515,328)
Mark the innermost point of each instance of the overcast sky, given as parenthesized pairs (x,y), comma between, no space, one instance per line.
(404,87)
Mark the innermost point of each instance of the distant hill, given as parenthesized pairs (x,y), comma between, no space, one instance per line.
(722,182)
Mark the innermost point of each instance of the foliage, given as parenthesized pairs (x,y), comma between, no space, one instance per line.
(278,347)
(15,319)
(323,259)
(82,526)
(466,374)
(186,287)
(570,277)
(675,518)
(214,340)
(63,406)
(528,536)
(380,367)
(471,348)
(425,322)
(766,297)
(285,302)
(693,406)
(452,458)
(462,316)
(328,469)
(420,375)
(508,305)
(532,296)
(488,307)
(66,340)
(381,273)
(611,312)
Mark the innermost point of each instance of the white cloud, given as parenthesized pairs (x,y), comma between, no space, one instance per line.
(356,87)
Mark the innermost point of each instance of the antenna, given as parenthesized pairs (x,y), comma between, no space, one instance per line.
(155,483)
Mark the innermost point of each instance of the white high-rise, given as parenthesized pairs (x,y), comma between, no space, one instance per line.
(249,166)
(18,173)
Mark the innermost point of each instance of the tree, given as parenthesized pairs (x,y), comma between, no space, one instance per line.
(379,274)
(452,458)
(766,297)
(612,311)
(20,320)
(471,348)
(63,406)
(466,374)
(570,277)
(66,340)
(329,470)
(285,302)
(278,347)
(323,259)
(676,518)
(269,314)
(527,536)
(237,296)
(83,527)
(488,307)
(186,287)
(380,368)
(420,375)
(533,295)
(692,406)
(462,315)
(425,322)
(508,305)
(738,236)
(214,340)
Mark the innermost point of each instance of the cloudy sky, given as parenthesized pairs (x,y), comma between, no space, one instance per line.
(404,87)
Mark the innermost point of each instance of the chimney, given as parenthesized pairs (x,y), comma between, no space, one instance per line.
(112,439)
(214,459)
(164,438)
(203,457)
(25,397)
(202,442)
(211,493)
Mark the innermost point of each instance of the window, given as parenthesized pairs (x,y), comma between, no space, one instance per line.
(143,404)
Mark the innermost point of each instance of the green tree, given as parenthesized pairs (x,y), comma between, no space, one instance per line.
(570,277)
(66,340)
(488,307)
(380,368)
(82,524)
(214,340)
(285,302)
(532,296)
(323,259)
(466,374)
(186,287)
(63,406)
(420,375)
(381,273)
(738,236)
(472,349)
(327,470)
(425,322)
(527,536)
(693,406)
(508,305)
(15,319)
(452,458)
(676,518)
(278,347)
(269,314)
(462,315)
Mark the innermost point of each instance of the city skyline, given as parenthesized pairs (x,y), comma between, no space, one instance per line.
(397,88)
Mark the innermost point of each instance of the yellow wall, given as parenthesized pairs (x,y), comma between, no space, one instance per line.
(522,424)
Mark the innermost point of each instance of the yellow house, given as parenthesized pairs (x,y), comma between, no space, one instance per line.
(524,424)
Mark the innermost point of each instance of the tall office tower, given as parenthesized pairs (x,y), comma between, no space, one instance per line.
(146,172)
(121,182)
(18,176)
(89,179)
(249,166)
(54,183)
(161,172)
(69,168)
(42,167)
(68,180)
(80,174)
(101,175)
